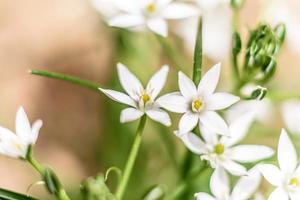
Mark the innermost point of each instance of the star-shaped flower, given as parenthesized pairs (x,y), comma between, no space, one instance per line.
(223,151)
(152,14)
(16,145)
(286,178)
(199,104)
(141,100)
(220,186)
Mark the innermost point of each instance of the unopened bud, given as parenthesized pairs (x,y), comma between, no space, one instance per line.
(280,31)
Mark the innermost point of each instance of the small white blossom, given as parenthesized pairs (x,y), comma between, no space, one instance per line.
(16,145)
(199,104)
(223,151)
(141,100)
(291,115)
(286,178)
(220,186)
(152,14)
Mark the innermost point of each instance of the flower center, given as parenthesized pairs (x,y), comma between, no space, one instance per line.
(150,8)
(197,105)
(145,98)
(219,149)
(294,181)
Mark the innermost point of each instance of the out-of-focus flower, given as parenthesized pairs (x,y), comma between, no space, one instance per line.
(141,100)
(220,186)
(16,145)
(286,178)
(217,29)
(199,104)
(152,14)
(282,11)
(291,115)
(105,7)
(262,110)
(223,151)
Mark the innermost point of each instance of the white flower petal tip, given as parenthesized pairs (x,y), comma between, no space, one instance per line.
(16,145)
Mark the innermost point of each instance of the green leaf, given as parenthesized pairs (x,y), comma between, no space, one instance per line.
(9,195)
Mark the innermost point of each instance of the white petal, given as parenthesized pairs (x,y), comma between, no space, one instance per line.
(271,173)
(157,82)
(291,117)
(208,136)
(128,6)
(179,11)
(173,102)
(158,26)
(210,80)
(160,116)
(129,82)
(278,194)
(219,183)
(187,87)
(130,114)
(187,122)
(11,145)
(204,196)
(234,168)
(287,156)
(250,153)
(119,97)
(23,129)
(214,122)
(294,195)
(193,143)
(126,21)
(220,100)
(36,126)
(246,186)
(238,129)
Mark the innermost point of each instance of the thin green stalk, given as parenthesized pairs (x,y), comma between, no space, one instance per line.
(61,193)
(72,79)
(131,159)
(198,55)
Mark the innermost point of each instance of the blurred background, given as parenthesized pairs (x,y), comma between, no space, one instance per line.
(82,135)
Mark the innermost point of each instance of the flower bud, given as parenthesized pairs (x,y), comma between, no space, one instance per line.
(52,183)
(280,31)
(156,192)
(259,93)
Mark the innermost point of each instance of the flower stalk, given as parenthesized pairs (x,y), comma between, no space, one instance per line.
(51,180)
(131,159)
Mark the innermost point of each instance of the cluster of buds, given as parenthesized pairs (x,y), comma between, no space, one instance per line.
(262,48)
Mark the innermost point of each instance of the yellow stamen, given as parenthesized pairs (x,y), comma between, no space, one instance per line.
(294,181)
(219,149)
(197,105)
(150,7)
(145,98)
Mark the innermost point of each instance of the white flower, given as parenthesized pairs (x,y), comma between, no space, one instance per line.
(106,7)
(141,100)
(199,104)
(291,115)
(284,11)
(16,145)
(152,14)
(286,178)
(220,186)
(217,29)
(223,151)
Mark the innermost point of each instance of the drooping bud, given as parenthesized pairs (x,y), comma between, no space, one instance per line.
(259,93)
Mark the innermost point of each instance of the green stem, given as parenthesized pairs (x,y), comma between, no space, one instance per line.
(61,194)
(198,55)
(72,79)
(131,159)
